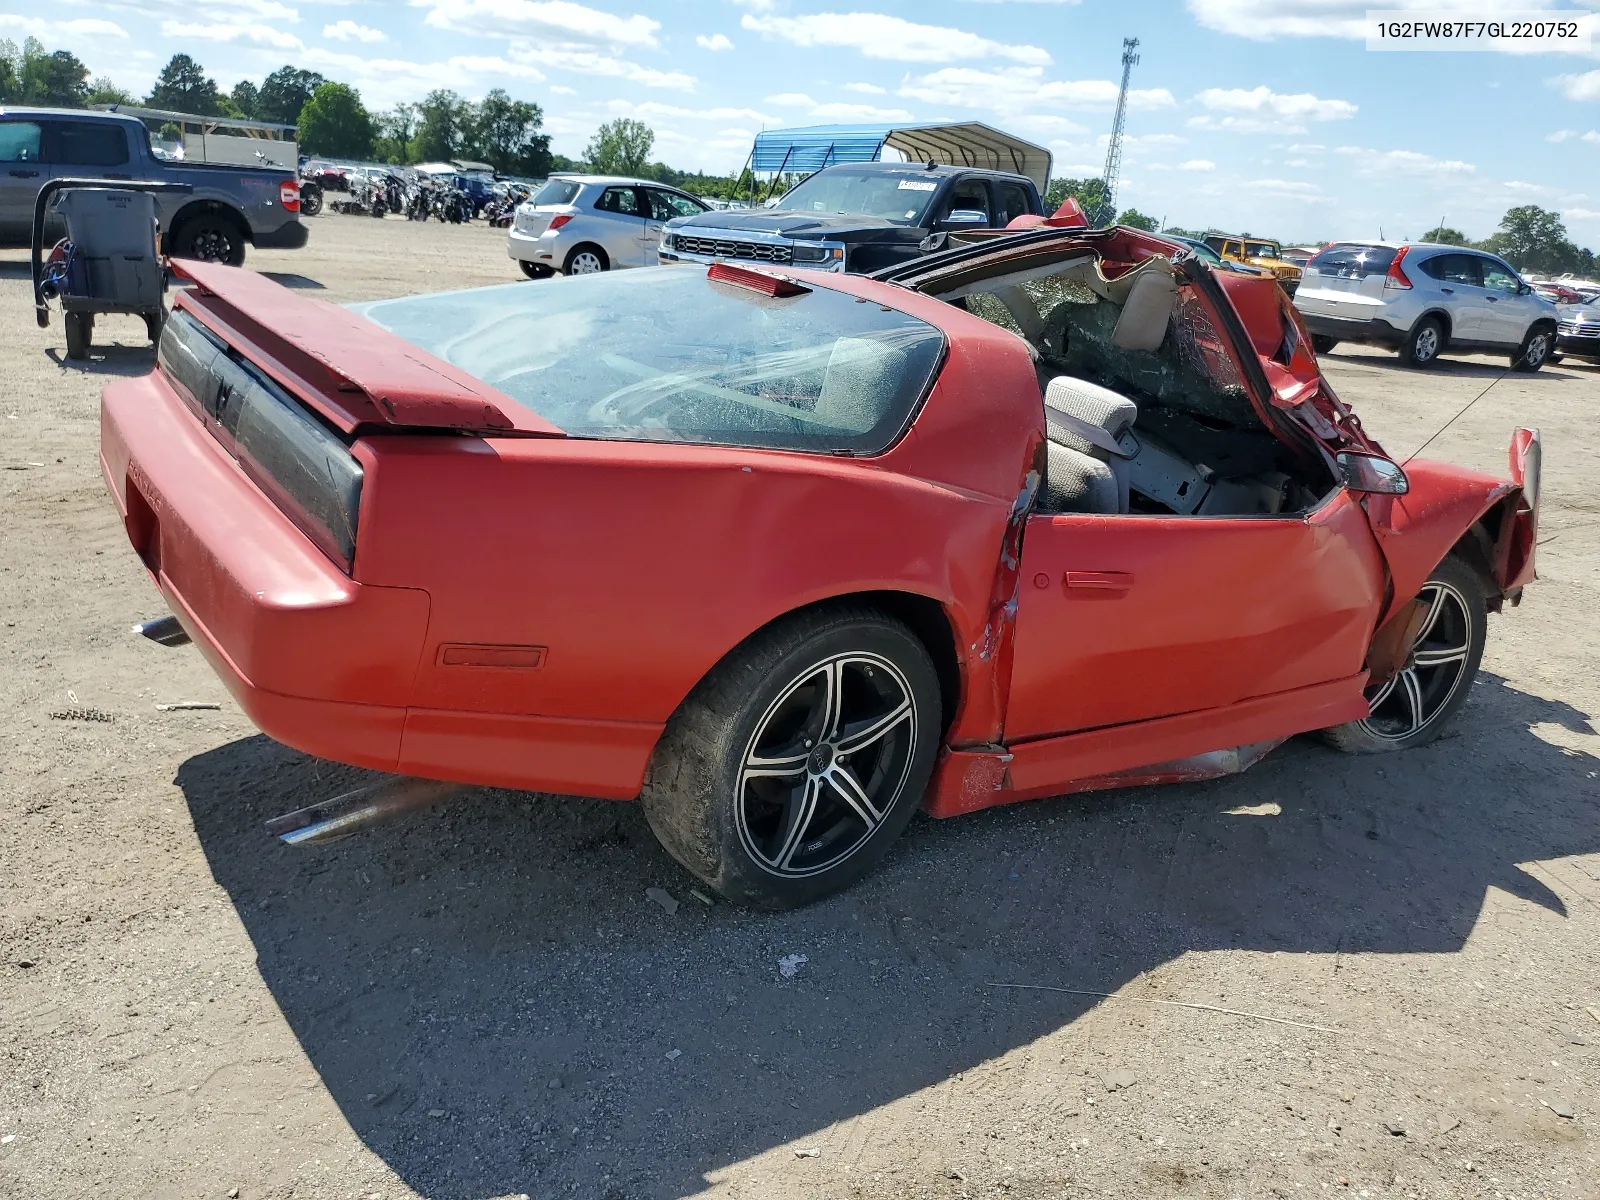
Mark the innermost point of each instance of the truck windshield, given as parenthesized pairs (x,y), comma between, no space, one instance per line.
(668,355)
(1260,250)
(901,197)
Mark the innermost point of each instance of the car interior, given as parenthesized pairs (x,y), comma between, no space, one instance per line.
(1145,411)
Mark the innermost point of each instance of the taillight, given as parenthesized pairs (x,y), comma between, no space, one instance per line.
(1395,277)
(560,219)
(289,195)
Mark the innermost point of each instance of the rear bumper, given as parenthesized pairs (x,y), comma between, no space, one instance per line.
(291,235)
(547,249)
(319,661)
(1347,329)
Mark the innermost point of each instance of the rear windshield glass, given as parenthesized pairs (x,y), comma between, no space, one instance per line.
(557,191)
(666,355)
(901,198)
(1353,261)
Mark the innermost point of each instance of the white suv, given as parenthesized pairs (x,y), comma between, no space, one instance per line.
(1424,300)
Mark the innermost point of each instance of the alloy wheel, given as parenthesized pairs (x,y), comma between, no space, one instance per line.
(1427,344)
(212,245)
(1538,350)
(828,759)
(587,263)
(1435,669)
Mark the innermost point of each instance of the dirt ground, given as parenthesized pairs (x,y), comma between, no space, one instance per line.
(479,1000)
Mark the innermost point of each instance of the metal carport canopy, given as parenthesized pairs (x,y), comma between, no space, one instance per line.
(956,143)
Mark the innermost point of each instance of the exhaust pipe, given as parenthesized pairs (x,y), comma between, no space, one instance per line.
(330,820)
(164,631)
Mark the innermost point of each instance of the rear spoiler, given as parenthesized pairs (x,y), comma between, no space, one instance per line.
(348,369)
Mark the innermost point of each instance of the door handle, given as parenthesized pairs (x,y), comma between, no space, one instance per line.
(25,174)
(1448,291)
(1492,299)
(1097,585)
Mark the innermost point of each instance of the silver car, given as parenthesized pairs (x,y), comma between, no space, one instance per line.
(580,224)
(1424,300)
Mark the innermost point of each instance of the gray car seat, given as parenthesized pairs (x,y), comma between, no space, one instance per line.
(1090,442)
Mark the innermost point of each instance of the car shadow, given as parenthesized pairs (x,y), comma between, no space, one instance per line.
(491,1000)
(107,360)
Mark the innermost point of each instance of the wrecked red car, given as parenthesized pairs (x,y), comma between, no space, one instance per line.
(786,555)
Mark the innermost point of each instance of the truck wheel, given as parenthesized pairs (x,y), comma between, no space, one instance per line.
(1418,704)
(210,237)
(790,770)
(80,330)
(1422,347)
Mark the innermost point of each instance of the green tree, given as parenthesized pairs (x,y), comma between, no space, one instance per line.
(620,147)
(1090,194)
(103,91)
(245,97)
(284,93)
(10,60)
(443,122)
(395,129)
(505,133)
(52,80)
(1445,236)
(334,122)
(182,86)
(1134,219)
(1533,239)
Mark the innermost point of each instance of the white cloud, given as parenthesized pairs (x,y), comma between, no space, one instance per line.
(876,35)
(791,100)
(561,89)
(56,32)
(1285,187)
(1252,125)
(385,81)
(717,41)
(1263,101)
(1198,164)
(866,89)
(672,112)
(1404,163)
(349,31)
(592,62)
(561,21)
(259,35)
(1579,87)
(1262,20)
(857,112)
(1020,89)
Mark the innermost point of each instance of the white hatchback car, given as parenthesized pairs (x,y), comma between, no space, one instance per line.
(1424,300)
(580,224)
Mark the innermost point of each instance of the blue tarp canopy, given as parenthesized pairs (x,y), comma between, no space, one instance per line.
(956,143)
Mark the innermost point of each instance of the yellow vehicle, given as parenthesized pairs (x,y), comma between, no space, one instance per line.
(1262,253)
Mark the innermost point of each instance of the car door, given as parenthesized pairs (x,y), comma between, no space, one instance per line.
(82,150)
(1456,285)
(970,194)
(1011,201)
(620,224)
(1508,311)
(22,173)
(1130,618)
(663,207)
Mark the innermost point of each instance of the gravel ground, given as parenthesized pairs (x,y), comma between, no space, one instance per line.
(479,1000)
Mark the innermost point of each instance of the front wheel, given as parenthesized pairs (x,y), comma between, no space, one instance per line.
(1417,704)
(1535,350)
(792,767)
(1422,346)
(1323,344)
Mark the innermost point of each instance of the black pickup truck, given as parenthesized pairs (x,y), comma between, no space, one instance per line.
(855,217)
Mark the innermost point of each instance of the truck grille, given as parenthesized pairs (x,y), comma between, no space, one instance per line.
(719,247)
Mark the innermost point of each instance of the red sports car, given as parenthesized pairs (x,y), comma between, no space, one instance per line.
(784,554)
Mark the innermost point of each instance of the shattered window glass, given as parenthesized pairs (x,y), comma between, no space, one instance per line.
(671,356)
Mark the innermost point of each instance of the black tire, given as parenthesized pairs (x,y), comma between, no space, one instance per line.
(749,787)
(1424,343)
(1418,704)
(153,322)
(80,334)
(1323,344)
(210,237)
(581,260)
(1537,349)
(310,201)
(534,270)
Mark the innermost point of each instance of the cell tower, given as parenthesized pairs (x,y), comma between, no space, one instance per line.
(1114,150)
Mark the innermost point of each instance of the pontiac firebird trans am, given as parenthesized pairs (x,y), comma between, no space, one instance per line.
(784,555)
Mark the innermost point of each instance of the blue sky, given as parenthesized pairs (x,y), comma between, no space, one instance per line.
(1267,115)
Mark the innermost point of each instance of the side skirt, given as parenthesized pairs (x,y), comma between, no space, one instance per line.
(1199,745)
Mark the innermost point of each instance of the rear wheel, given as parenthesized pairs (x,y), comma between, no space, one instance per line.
(587,259)
(793,766)
(1423,344)
(1323,344)
(534,270)
(210,237)
(1417,705)
(80,332)
(1535,350)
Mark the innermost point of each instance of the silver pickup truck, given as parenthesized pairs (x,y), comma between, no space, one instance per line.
(225,208)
